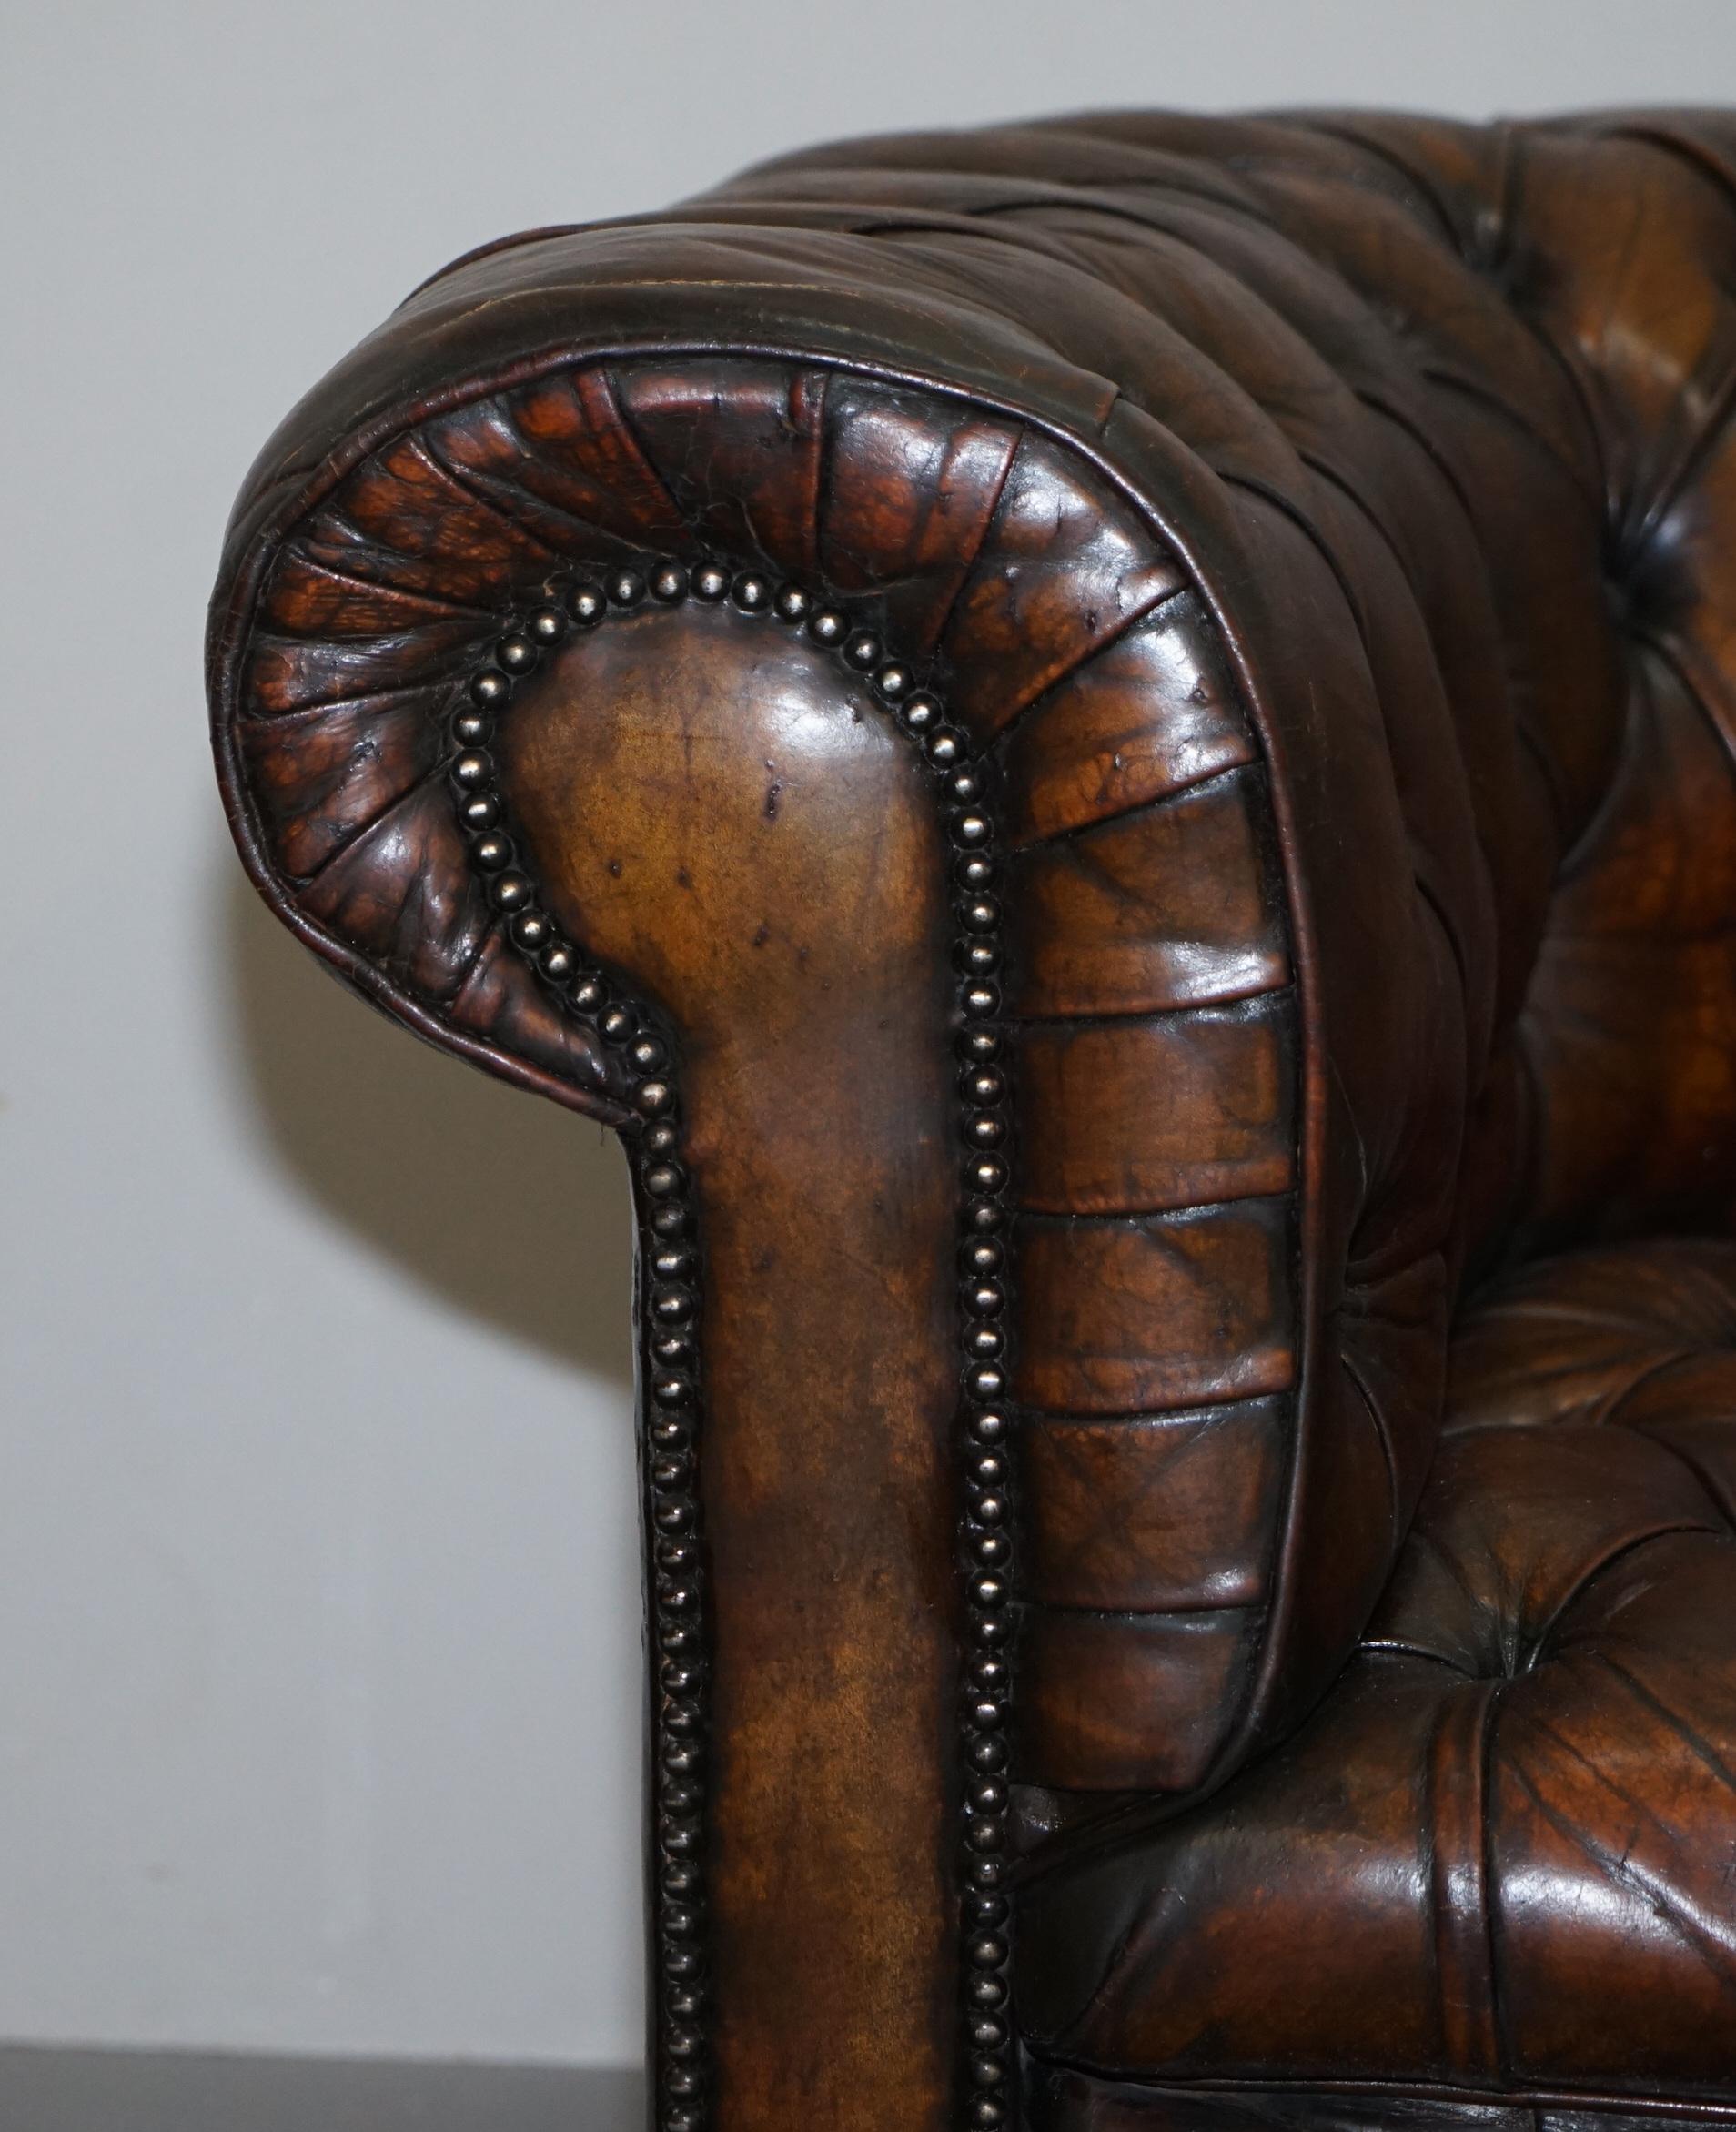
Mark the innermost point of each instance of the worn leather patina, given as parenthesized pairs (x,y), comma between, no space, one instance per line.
(1130,724)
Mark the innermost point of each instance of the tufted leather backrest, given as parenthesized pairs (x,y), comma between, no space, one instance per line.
(1504,358)
(1412,442)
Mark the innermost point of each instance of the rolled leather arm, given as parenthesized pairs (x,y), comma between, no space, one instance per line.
(923,698)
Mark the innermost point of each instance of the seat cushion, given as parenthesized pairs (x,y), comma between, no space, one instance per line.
(1501,1857)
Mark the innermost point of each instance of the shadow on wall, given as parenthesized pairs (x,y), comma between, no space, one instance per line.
(505,1206)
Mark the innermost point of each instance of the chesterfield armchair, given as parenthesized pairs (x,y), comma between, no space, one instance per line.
(1111,745)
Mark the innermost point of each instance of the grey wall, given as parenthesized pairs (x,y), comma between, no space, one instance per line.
(317,1640)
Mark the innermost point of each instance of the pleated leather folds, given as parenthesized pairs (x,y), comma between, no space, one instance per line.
(1323,520)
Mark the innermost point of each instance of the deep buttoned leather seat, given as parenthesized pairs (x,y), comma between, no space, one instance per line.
(1502,1854)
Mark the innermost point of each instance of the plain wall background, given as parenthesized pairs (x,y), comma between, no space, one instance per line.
(319,1642)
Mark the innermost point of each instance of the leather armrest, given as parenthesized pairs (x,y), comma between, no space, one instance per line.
(1192,1051)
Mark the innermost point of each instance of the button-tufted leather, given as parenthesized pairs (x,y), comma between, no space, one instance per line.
(1502,1853)
(1323,526)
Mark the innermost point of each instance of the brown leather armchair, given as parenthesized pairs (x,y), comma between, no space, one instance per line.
(1112,747)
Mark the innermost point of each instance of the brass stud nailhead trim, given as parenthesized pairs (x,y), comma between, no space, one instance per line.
(668,1245)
